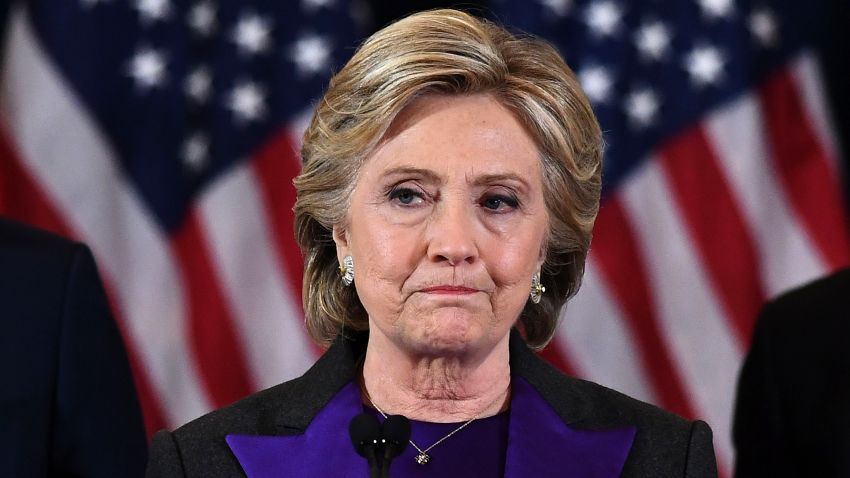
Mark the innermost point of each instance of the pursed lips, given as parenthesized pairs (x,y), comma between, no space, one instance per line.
(450,290)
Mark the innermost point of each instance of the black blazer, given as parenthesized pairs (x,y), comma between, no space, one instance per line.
(792,416)
(67,404)
(664,446)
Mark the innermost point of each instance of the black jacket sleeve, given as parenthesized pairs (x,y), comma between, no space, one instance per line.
(701,462)
(98,429)
(68,405)
(792,416)
(165,461)
(759,436)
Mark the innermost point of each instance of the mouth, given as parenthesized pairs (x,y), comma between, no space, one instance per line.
(450,290)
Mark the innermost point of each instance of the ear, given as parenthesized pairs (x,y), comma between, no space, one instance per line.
(540,263)
(539,267)
(340,236)
(541,259)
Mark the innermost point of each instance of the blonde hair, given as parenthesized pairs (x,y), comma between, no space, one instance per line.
(447,52)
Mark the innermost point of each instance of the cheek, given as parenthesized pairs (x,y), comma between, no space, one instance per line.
(513,258)
(511,267)
(385,256)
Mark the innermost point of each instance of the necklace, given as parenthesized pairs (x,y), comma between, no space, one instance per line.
(423,457)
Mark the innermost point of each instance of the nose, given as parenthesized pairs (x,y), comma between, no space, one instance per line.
(452,234)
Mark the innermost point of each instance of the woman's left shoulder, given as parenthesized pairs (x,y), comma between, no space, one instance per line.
(664,443)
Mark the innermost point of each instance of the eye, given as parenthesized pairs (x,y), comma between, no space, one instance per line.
(406,196)
(500,203)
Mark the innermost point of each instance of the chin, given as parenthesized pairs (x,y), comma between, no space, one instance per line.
(448,333)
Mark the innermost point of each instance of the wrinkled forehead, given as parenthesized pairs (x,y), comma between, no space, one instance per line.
(470,135)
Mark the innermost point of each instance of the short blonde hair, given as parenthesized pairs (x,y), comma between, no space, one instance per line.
(447,52)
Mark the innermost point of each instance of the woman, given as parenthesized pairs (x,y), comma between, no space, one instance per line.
(451,179)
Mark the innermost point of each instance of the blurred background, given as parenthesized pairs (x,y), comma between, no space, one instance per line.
(164,134)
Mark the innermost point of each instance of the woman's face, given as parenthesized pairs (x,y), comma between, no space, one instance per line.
(446,226)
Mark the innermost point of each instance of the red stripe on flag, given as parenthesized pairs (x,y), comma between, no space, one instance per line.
(275,165)
(803,168)
(616,254)
(22,199)
(219,354)
(716,227)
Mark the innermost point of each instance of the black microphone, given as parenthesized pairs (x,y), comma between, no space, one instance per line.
(365,433)
(396,434)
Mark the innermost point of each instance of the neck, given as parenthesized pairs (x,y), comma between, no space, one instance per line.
(440,389)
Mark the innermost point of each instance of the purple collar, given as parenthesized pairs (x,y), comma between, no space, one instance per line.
(540,444)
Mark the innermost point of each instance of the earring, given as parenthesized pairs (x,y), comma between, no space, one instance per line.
(346,270)
(537,288)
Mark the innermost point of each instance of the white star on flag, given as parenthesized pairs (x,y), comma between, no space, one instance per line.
(311,54)
(247,101)
(557,7)
(642,107)
(705,65)
(147,68)
(196,152)
(603,18)
(596,82)
(716,8)
(763,26)
(199,84)
(202,18)
(153,10)
(653,40)
(252,33)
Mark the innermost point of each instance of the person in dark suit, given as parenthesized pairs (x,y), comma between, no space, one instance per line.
(68,406)
(792,416)
(450,180)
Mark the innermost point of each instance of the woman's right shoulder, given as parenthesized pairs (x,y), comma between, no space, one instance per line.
(199,448)
(255,414)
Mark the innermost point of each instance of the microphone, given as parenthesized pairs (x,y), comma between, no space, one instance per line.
(396,433)
(365,433)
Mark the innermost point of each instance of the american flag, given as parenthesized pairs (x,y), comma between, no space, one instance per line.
(164,134)
(721,188)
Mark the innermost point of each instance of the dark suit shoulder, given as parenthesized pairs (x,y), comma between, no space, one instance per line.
(823,297)
(37,266)
(791,406)
(810,321)
(247,415)
(610,408)
(284,409)
(200,444)
(16,237)
(665,444)
(582,401)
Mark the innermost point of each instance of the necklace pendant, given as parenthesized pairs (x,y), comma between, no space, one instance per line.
(422,458)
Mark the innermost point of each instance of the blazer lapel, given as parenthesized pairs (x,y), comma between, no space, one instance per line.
(324,449)
(540,444)
(311,437)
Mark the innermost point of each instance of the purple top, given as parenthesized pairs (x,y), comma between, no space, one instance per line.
(538,443)
(477,450)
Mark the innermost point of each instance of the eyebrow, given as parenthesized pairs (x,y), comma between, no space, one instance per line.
(496,178)
(412,171)
(477,180)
